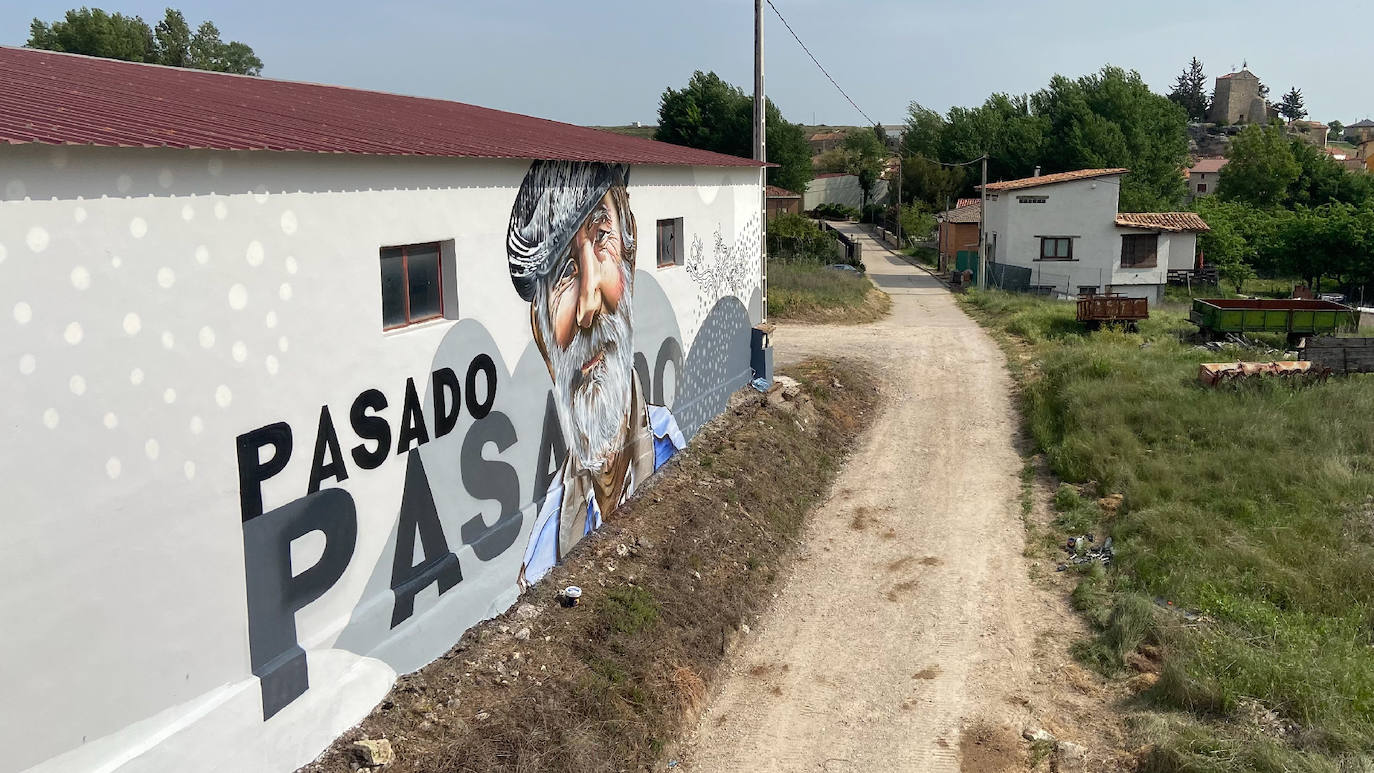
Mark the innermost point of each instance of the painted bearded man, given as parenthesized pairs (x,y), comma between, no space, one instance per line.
(571,247)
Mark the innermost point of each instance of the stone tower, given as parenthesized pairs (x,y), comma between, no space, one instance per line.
(1237,100)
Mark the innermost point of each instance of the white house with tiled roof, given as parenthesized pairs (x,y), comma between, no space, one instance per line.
(1065,228)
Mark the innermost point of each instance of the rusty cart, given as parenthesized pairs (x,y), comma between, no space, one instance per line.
(1095,310)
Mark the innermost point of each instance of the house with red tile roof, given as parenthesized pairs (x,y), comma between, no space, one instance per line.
(298,386)
(1203,176)
(1066,229)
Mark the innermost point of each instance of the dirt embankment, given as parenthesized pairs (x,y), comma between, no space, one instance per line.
(669,587)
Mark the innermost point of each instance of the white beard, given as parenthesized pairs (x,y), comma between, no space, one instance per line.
(594,409)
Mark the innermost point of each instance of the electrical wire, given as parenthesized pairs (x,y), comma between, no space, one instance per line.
(871,122)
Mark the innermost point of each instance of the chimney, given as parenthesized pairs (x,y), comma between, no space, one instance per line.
(1037,171)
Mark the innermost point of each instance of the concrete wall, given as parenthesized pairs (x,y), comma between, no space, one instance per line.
(840,189)
(192,341)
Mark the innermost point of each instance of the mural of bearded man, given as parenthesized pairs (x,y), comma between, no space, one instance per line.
(571,247)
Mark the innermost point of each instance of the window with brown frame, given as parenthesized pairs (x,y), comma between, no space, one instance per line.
(412,285)
(1056,248)
(1139,250)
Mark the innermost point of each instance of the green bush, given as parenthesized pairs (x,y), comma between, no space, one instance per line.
(796,239)
(835,212)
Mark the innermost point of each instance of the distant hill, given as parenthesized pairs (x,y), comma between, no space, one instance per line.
(646,132)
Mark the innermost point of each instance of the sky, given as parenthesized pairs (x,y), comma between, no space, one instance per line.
(608,62)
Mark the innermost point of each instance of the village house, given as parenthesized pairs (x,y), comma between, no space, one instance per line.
(1312,132)
(958,231)
(781,200)
(1360,131)
(823,141)
(1203,176)
(1065,229)
(281,418)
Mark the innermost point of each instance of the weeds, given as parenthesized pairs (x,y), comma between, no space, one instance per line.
(1248,509)
(812,292)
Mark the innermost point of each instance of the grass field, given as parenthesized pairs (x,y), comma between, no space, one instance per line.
(1245,543)
(814,293)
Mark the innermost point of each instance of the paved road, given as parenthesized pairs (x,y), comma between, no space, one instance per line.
(906,615)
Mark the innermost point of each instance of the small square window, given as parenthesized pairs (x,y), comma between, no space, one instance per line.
(670,242)
(412,284)
(1202,187)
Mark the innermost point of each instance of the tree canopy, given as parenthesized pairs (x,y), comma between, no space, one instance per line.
(94,32)
(1107,119)
(1190,91)
(710,114)
(1291,106)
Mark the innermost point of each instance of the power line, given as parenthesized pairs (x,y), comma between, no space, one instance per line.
(871,122)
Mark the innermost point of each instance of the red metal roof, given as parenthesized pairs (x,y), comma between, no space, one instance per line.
(65,99)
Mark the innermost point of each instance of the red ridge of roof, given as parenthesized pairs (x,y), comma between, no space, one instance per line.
(776,192)
(1050,179)
(67,99)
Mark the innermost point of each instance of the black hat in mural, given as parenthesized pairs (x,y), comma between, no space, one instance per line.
(554,199)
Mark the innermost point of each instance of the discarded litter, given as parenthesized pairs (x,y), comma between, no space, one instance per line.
(1084,549)
(570,595)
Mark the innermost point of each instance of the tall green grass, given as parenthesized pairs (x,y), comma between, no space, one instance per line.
(1251,507)
(798,289)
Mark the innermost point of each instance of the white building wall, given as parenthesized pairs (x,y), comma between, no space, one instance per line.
(1085,211)
(840,189)
(159,305)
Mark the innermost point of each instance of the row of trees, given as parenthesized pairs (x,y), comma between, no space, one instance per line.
(1107,119)
(1285,208)
(93,32)
(710,114)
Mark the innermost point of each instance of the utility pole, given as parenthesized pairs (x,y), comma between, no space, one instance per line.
(761,152)
(899,200)
(982,231)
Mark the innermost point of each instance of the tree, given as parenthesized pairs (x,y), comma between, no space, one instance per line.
(710,114)
(932,184)
(1335,131)
(1291,106)
(924,129)
(1112,119)
(866,157)
(94,32)
(1190,91)
(173,38)
(1260,167)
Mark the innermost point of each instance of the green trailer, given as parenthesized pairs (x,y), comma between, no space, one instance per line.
(1297,317)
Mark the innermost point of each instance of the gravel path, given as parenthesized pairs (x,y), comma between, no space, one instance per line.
(909,613)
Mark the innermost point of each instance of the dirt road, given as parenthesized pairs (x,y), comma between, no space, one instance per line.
(910,613)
